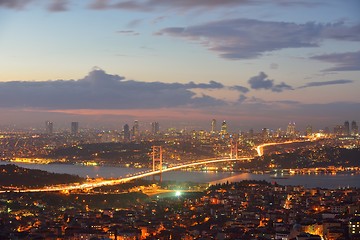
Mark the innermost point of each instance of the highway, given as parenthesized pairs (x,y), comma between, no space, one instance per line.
(109,182)
(260,148)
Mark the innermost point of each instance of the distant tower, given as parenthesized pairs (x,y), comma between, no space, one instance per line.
(136,132)
(354,128)
(339,130)
(308,130)
(213,126)
(223,127)
(346,128)
(155,128)
(265,133)
(290,131)
(49,127)
(126,133)
(74,128)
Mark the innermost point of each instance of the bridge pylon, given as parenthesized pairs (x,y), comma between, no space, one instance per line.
(233,149)
(157,157)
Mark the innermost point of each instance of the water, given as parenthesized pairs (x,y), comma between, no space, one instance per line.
(320,180)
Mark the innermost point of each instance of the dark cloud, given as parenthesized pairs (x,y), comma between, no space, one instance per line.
(100,90)
(58,5)
(240,89)
(281,87)
(247,38)
(261,81)
(14,4)
(349,61)
(333,82)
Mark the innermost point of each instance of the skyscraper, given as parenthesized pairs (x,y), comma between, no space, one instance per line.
(354,128)
(346,128)
(290,131)
(308,130)
(223,127)
(49,127)
(126,133)
(155,128)
(74,128)
(213,126)
(135,129)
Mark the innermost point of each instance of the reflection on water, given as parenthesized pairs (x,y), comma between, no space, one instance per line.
(321,180)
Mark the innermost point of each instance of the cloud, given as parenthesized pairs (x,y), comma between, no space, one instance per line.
(186,5)
(134,23)
(58,5)
(332,82)
(249,38)
(261,81)
(240,89)
(99,90)
(128,32)
(349,61)
(14,4)
(148,5)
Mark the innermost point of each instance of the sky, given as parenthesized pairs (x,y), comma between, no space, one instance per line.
(254,63)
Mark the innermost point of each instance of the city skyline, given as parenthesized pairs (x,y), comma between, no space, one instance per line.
(254,64)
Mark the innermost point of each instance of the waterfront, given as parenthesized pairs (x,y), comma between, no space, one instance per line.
(307,180)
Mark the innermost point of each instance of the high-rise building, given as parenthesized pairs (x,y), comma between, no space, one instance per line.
(155,128)
(346,128)
(354,128)
(339,130)
(213,126)
(49,127)
(74,128)
(308,130)
(265,133)
(223,127)
(126,130)
(135,129)
(290,131)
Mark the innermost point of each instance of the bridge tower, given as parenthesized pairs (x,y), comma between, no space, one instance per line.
(233,149)
(157,157)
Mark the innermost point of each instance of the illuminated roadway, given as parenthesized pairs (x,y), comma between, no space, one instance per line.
(109,182)
(260,148)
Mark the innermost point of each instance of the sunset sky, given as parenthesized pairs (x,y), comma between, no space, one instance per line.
(253,63)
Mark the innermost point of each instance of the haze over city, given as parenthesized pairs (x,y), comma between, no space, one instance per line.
(252,63)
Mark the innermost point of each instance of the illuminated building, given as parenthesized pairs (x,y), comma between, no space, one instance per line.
(135,129)
(290,131)
(223,127)
(126,130)
(346,128)
(354,128)
(74,128)
(213,126)
(49,127)
(265,133)
(308,130)
(354,227)
(155,128)
(339,130)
